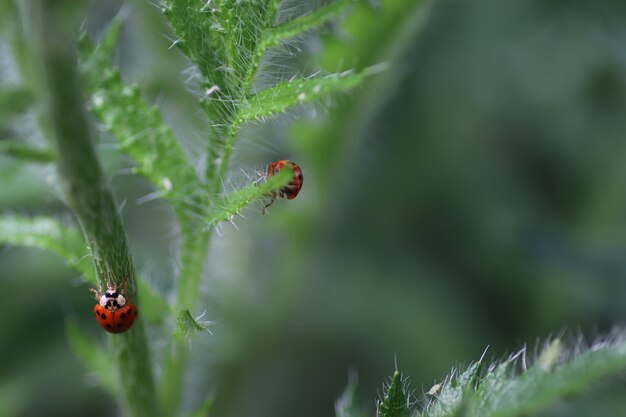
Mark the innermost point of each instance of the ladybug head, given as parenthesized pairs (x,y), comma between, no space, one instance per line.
(112,299)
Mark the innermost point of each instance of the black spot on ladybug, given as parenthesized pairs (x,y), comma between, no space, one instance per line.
(123,315)
(119,325)
(104,316)
(108,326)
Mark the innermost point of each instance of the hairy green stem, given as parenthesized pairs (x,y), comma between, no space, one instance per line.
(174,369)
(193,250)
(84,185)
(216,171)
(194,247)
(20,150)
(85,188)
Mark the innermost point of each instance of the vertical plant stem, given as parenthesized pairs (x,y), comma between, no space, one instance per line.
(193,250)
(173,377)
(85,188)
(194,246)
(217,170)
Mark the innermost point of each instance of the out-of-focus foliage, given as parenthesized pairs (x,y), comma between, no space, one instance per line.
(471,194)
(52,235)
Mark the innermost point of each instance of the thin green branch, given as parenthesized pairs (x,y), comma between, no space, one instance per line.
(231,204)
(301,24)
(218,154)
(282,97)
(267,20)
(143,136)
(20,150)
(138,126)
(285,95)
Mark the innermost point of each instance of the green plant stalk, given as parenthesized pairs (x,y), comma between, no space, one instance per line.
(85,188)
(194,248)
(174,369)
(257,55)
(301,24)
(215,172)
(194,243)
(195,238)
(25,152)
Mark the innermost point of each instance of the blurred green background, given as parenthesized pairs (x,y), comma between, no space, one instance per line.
(472,194)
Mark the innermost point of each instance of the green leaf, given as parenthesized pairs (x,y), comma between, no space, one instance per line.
(187,326)
(449,398)
(505,393)
(515,395)
(139,128)
(21,150)
(395,399)
(276,35)
(50,234)
(67,242)
(200,30)
(142,135)
(93,357)
(232,204)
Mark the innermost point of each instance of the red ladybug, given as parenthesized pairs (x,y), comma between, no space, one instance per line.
(289,191)
(113,312)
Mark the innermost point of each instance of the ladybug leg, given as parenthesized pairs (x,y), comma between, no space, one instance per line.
(268,204)
(96,292)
